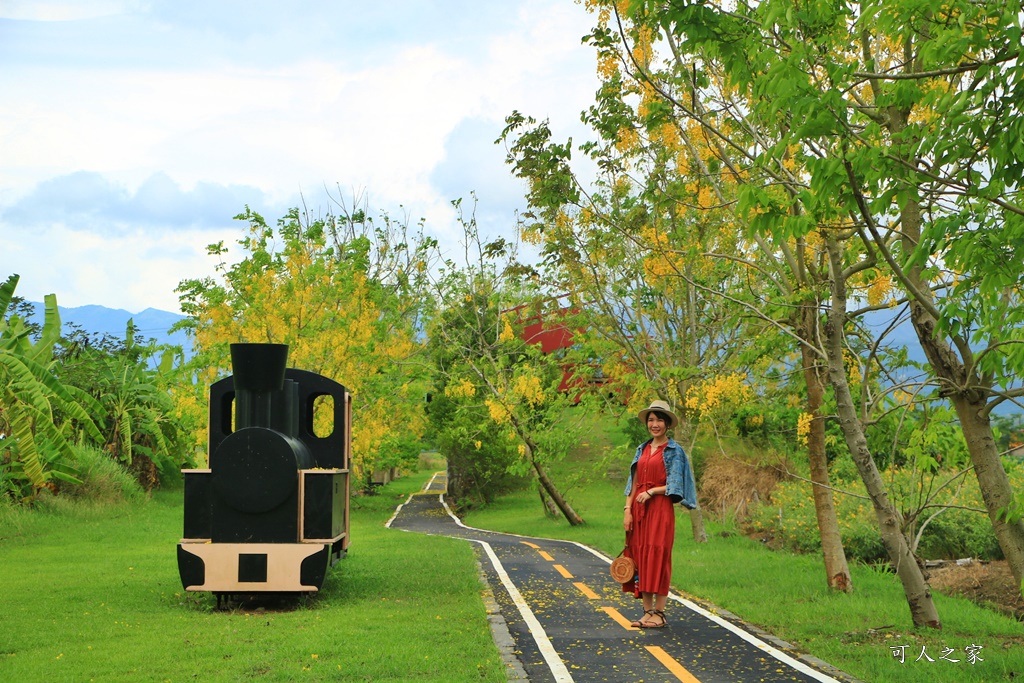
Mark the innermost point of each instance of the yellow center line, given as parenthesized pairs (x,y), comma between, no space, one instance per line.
(672,665)
(621,620)
(586,590)
(546,556)
(563,571)
(535,547)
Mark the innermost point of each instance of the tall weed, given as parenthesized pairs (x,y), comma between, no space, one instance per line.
(103,479)
(944,513)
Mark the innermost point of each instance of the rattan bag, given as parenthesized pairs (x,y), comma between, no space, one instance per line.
(623,567)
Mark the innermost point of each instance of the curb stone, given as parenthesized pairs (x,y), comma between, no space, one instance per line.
(499,631)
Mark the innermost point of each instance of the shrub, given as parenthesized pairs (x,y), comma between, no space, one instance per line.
(102,478)
(789,516)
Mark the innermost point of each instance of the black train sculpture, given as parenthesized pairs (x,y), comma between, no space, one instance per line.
(271,513)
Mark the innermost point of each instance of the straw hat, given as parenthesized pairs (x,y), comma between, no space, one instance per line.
(661,407)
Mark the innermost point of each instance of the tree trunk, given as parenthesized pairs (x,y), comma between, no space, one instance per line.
(967,391)
(556,495)
(700,535)
(915,587)
(697,525)
(550,509)
(992,479)
(970,406)
(837,570)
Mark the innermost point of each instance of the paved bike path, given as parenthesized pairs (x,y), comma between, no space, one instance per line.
(568,620)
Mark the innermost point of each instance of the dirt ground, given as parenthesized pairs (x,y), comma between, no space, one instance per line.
(987,583)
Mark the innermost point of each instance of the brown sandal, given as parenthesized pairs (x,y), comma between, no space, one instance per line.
(639,623)
(657,613)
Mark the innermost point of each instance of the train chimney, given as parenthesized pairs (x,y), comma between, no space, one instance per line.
(258,374)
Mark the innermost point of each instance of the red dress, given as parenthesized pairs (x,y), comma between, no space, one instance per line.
(654,528)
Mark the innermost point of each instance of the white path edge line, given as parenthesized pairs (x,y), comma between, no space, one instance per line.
(554,662)
(540,636)
(387,524)
(724,623)
(426,487)
(756,642)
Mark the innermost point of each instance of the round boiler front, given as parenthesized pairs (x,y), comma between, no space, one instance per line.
(255,469)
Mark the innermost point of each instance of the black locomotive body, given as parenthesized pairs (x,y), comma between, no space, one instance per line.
(271,512)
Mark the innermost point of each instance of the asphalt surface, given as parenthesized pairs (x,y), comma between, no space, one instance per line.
(557,615)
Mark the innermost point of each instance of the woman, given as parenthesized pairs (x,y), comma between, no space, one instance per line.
(658,477)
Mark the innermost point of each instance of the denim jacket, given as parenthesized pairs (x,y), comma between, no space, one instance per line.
(680,487)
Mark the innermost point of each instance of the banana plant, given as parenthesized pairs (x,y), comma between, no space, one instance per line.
(29,392)
(137,406)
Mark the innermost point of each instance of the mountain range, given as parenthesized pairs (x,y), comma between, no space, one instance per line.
(150,324)
(155,324)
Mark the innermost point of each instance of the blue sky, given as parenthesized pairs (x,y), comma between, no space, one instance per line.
(131,131)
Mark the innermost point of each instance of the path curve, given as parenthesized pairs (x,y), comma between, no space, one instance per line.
(568,620)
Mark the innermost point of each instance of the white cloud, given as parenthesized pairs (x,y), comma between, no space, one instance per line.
(135,271)
(131,133)
(63,10)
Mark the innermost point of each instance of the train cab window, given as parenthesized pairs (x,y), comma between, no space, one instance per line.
(323,416)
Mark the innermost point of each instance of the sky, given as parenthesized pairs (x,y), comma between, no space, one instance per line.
(132,131)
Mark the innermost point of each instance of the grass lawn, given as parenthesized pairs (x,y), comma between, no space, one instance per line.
(786,595)
(92,594)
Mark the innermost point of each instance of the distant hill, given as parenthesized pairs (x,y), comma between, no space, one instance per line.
(151,323)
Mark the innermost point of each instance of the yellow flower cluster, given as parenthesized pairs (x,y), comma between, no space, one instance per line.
(461,388)
(682,161)
(668,135)
(643,48)
(531,233)
(902,397)
(704,198)
(648,94)
(628,140)
(803,428)
(528,387)
(497,410)
(607,66)
(718,393)
(507,333)
(853,369)
(879,289)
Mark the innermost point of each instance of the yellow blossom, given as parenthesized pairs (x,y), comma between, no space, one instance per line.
(803,427)
(461,388)
(497,410)
(507,333)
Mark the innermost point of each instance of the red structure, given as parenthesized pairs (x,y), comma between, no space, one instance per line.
(551,336)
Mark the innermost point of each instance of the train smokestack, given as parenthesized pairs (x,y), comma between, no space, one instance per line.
(258,374)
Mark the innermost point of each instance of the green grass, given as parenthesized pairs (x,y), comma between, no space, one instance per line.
(785,594)
(92,593)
